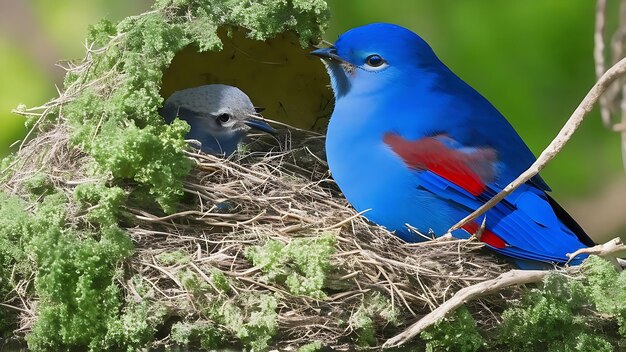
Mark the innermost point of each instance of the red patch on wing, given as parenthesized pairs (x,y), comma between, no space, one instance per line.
(487,236)
(453,165)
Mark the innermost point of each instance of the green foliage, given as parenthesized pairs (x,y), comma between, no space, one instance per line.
(109,200)
(607,289)
(253,320)
(192,282)
(376,310)
(301,265)
(586,342)
(363,324)
(39,185)
(177,257)
(250,318)
(5,164)
(204,332)
(311,347)
(75,281)
(557,316)
(455,333)
(135,328)
(220,281)
(75,271)
(118,124)
(12,256)
(546,317)
(101,33)
(264,19)
(151,156)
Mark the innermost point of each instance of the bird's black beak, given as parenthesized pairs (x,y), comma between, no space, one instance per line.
(260,125)
(329,53)
(259,109)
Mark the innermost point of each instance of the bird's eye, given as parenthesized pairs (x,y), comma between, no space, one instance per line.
(374,60)
(223,117)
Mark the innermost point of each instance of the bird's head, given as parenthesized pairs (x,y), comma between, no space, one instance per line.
(228,111)
(367,57)
(219,116)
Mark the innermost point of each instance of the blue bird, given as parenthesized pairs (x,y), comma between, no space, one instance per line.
(220,116)
(413,143)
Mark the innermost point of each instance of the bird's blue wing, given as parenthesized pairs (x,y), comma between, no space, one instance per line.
(524,225)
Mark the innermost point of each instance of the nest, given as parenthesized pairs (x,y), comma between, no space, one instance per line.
(234,205)
(225,250)
(198,262)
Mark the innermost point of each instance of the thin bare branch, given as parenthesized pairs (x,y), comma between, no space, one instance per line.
(609,248)
(511,278)
(557,144)
(599,57)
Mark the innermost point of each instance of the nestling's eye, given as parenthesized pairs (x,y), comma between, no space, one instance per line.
(223,117)
(374,60)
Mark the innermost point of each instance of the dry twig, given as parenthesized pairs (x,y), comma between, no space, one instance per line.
(557,144)
(511,278)
(609,248)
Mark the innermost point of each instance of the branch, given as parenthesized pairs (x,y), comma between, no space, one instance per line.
(618,52)
(511,278)
(612,247)
(557,144)
(599,57)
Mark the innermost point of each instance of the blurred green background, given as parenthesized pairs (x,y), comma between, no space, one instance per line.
(532,59)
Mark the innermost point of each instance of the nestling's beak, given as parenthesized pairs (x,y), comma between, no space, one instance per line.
(259,125)
(329,53)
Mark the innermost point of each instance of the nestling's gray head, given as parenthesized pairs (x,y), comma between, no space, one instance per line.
(219,116)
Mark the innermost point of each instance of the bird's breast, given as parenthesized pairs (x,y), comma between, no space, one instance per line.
(371,176)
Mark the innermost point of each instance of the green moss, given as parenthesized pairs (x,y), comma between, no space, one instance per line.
(204,333)
(5,170)
(101,33)
(252,320)
(192,281)
(375,311)
(151,156)
(249,318)
(75,271)
(134,329)
(556,317)
(105,202)
(586,342)
(311,347)
(203,28)
(118,123)
(301,265)
(547,317)
(39,185)
(13,258)
(264,19)
(76,285)
(177,257)
(364,327)
(607,289)
(221,282)
(455,333)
